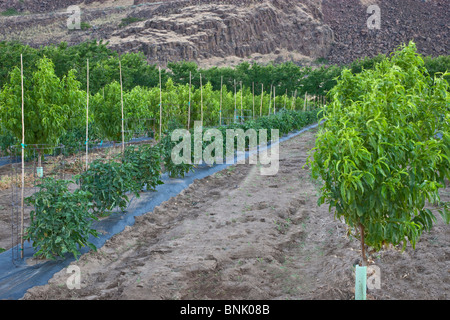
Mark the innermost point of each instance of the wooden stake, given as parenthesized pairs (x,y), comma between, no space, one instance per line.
(160,105)
(262,96)
(241,104)
(304,107)
(220,111)
(201,99)
(235,100)
(121,102)
(87,115)
(294,100)
(253,99)
(274,100)
(189,104)
(22,209)
(270,100)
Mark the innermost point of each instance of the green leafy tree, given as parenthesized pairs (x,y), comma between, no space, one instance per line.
(179,71)
(384,151)
(436,65)
(106,108)
(138,117)
(51,105)
(10,58)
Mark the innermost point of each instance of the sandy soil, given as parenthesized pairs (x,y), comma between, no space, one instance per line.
(240,235)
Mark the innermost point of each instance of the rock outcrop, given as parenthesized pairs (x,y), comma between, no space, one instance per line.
(218,30)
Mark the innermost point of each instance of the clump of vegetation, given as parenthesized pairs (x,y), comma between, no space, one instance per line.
(108,183)
(61,221)
(83,26)
(10,12)
(129,20)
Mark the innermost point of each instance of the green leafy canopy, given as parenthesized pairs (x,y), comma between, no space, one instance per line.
(51,104)
(383,152)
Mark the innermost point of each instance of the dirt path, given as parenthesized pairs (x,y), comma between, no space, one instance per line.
(240,235)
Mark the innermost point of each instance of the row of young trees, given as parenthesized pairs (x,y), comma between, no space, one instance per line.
(104,68)
(56,105)
(62,220)
(55,90)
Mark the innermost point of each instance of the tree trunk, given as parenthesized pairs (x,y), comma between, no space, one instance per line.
(39,164)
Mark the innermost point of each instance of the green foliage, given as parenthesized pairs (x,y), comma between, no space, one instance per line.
(7,139)
(129,20)
(366,63)
(10,12)
(75,57)
(285,121)
(135,72)
(61,220)
(51,104)
(166,146)
(103,65)
(74,139)
(106,110)
(379,154)
(438,65)
(145,162)
(84,25)
(108,183)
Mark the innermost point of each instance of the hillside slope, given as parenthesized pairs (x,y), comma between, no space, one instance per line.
(214,32)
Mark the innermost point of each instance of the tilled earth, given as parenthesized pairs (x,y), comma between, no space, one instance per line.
(241,235)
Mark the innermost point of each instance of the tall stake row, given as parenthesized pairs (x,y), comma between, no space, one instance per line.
(23,164)
(316,99)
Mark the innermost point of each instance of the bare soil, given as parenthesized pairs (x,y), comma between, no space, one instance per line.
(240,235)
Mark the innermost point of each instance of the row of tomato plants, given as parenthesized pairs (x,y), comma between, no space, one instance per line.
(62,220)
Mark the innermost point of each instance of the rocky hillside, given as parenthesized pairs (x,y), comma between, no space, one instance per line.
(215,32)
(424,21)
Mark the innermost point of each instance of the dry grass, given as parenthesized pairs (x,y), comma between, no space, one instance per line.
(7,181)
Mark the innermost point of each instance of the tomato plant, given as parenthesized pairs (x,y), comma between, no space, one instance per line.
(61,221)
(145,164)
(108,183)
